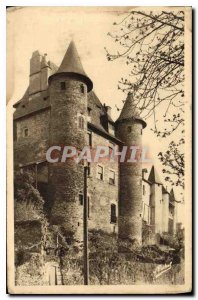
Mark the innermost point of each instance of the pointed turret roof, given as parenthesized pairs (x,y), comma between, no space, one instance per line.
(130,110)
(164,191)
(154,177)
(71,64)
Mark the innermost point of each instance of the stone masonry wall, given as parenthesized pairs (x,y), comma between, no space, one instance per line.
(130,199)
(101,193)
(67,178)
(33,147)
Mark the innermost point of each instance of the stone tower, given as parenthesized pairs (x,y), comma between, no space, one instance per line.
(129,129)
(157,211)
(68,89)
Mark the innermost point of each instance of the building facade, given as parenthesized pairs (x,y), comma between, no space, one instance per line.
(60,107)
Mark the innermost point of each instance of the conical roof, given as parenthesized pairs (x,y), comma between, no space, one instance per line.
(154,177)
(71,64)
(130,110)
(164,191)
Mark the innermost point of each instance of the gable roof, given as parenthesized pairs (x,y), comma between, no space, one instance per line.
(154,177)
(164,191)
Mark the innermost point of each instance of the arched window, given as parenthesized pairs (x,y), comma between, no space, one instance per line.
(113,213)
(81,122)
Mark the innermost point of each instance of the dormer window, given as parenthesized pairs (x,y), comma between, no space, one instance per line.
(63,85)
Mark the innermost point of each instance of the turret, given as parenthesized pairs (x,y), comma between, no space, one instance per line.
(172,212)
(68,89)
(129,128)
(165,209)
(156,201)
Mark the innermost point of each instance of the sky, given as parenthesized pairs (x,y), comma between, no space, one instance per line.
(50,30)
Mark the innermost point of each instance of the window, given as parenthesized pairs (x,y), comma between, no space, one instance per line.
(82,88)
(63,86)
(129,129)
(81,198)
(100,173)
(89,168)
(113,213)
(141,131)
(81,122)
(111,148)
(143,190)
(89,111)
(89,138)
(112,177)
(25,132)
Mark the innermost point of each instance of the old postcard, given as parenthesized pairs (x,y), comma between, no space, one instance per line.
(99,196)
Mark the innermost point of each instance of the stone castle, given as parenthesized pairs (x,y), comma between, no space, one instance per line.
(60,107)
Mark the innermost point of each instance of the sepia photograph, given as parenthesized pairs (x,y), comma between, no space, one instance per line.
(99,163)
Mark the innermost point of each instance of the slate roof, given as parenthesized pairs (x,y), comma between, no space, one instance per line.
(154,177)
(164,191)
(71,64)
(130,110)
(26,107)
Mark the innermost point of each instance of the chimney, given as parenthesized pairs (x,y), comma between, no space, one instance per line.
(35,73)
(39,73)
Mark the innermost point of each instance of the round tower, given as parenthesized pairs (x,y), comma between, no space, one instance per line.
(129,130)
(68,89)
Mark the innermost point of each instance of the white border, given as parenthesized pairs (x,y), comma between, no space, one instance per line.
(3,4)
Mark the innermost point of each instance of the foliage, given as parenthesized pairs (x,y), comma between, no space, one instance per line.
(25,191)
(152,45)
(173,160)
(29,272)
(109,265)
(171,240)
